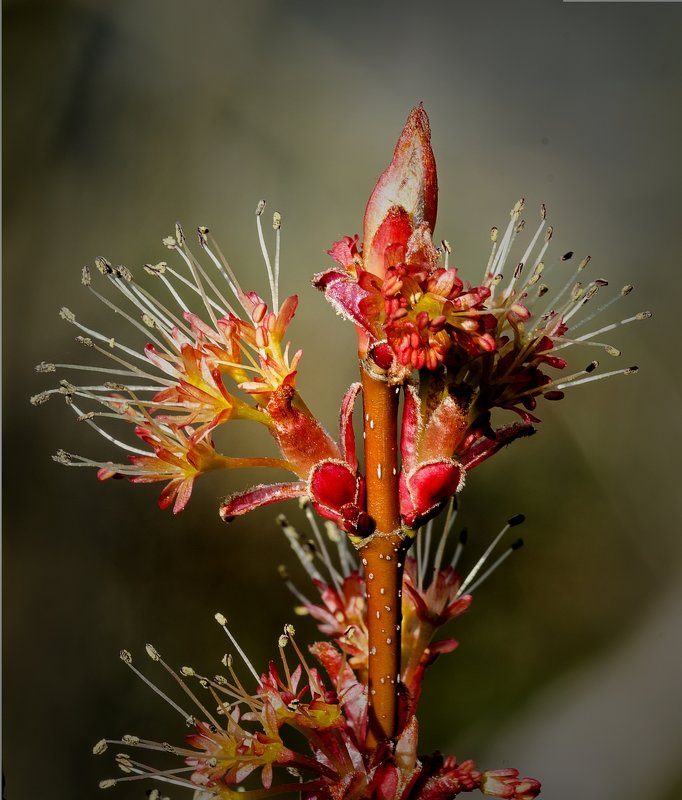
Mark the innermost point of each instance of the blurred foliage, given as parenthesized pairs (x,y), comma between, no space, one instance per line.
(120,118)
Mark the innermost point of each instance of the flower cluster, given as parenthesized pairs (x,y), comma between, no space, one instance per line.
(460,353)
(461,350)
(200,370)
(240,735)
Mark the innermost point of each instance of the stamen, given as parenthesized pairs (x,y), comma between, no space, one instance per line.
(463,536)
(193,267)
(624,292)
(488,270)
(158,270)
(260,208)
(507,240)
(312,521)
(291,586)
(129,448)
(512,522)
(590,292)
(186,282)
(524,259)
(450,517)
(639,317)
(290,631)
(227,271)
(447,250)
(154,655)
(626,371)
(171,320)
(222,621)
(113,307)
(128,660)
(512,549)
(277,225)
(151,315)
(70,317)
(341,542)
(294,541)
(427,552)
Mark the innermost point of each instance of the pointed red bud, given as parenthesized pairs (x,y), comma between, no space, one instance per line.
(406,195)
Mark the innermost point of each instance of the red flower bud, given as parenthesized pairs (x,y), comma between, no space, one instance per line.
(406,195)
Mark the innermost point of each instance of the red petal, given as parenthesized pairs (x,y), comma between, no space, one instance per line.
(262,495)
(389,244)
(347,296)
(444,430)
(344,251)
(347,434)
(424,491)
(487,447)
(285,315)
(333,484)
(409,433)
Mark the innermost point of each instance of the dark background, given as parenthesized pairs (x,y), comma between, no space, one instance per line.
(121,117)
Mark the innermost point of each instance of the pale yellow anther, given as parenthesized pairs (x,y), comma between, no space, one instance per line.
(103,265)
(44,367)
(152,652)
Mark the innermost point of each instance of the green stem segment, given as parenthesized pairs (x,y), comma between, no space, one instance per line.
(383,556)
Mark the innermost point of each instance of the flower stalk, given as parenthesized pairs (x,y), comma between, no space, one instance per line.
(383,555)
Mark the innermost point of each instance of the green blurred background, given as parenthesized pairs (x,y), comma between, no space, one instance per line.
(121,117)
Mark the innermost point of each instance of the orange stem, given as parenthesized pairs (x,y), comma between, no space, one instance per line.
(382,556)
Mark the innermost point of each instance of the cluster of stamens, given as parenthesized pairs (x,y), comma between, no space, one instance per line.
(172,392)
(238,733)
